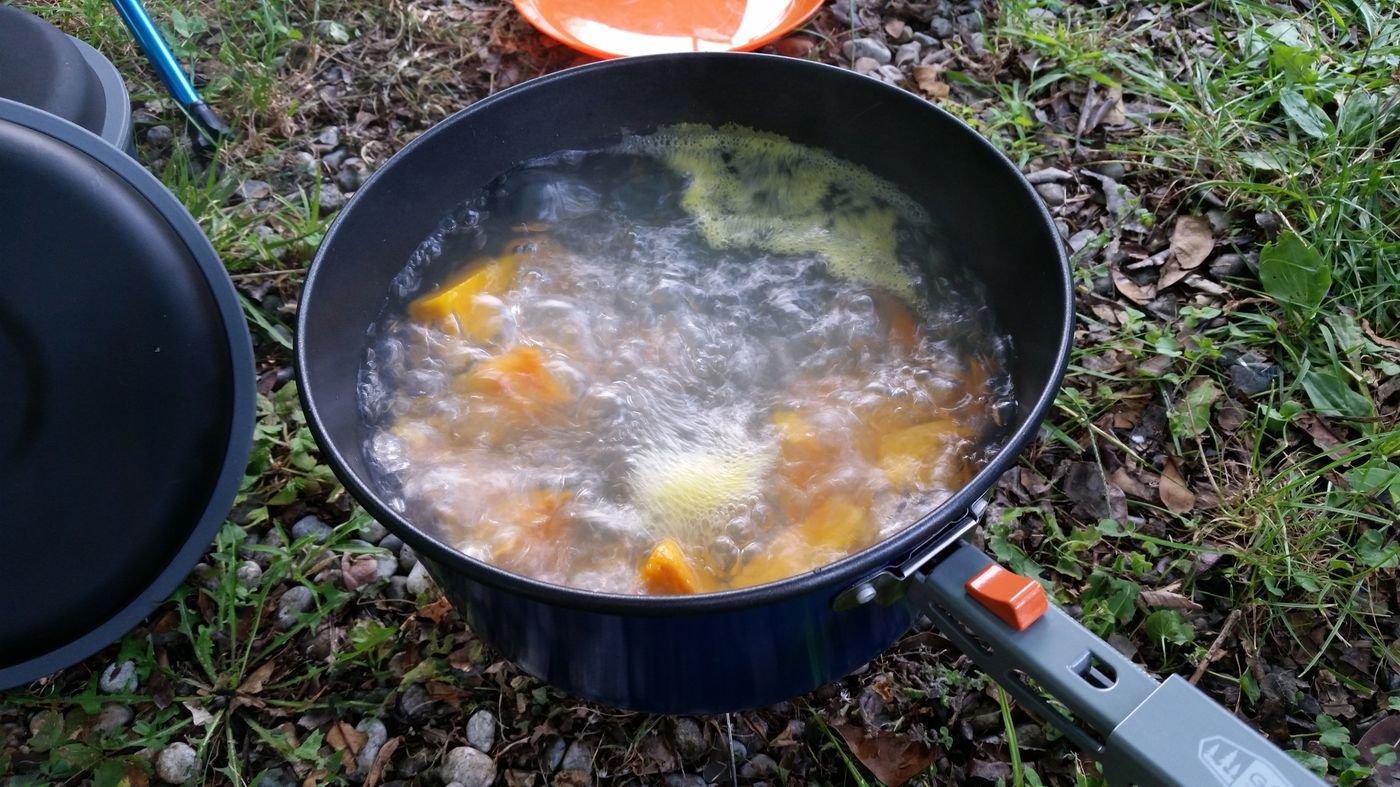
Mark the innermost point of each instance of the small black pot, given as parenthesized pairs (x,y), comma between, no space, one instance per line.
(724,651)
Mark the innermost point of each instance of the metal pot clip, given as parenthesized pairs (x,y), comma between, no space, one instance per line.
(887,586)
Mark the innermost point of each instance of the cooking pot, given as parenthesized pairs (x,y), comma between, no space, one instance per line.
(745,648)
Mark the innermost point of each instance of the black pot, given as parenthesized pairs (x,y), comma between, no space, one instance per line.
(723,651)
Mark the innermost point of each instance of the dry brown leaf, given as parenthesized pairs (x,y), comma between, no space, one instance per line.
(461,659)
(1172,489)
(1115,116)
(1141,294)
(348,741)
(893,758)
(1192,242)
(198,714)
(1323,435)
(1377,338)
(1129,484)
(1168,599)
(315,778)
(930,80)
(436,610)
(376,769)
(254,682)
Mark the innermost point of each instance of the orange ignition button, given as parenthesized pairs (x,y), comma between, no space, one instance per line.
(1019,601)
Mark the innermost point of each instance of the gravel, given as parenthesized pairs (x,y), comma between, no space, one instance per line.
(415,705)
(176,763)
(385,566)
(761,765)
(113,718)
(578,757)
(554,753)
(249,574)
(408,558)
(331,198)
(397,589)
(295,601)
(418,580)
(866,65)
(908,53)
(868,47)
(311,526)
(119,678)
(1047,175)
(250,190)
(1052,193)
(159,135)
(690,739)
(351,175)
(375,736)
(392,543)
(329,138)
(941,28)
(374,532)
(481,730)
(1228,266)
(683,780)
(468,767)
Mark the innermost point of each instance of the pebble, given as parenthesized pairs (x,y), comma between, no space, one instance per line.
(891,74)
(385,566)
(554,753)
(738,749)
(1228,266)
(760,765)
(925,39)
(977,43)
(112,718)
(683,780)
(373,532)
(866,65)
(690,739)
(335,158)
(159,135)
(119,678)
(970,22)
(468,767)
(1081,239)
(418,580)
(1040,13)
(1052,193)
(249,574)
(1110,169)
(250,190)
(295,601)
(868,47)
(397,589)
(415,704)
(1047,175)
(579,757)
(304,163)
(176,763)
(273,536)
(941,28)
(408,558)
(1251,374)
(351,176)
(908,53)
(331,198)
(481,730)
(392,543)
(375,736)
(311,526)
(330,137)
(277,777)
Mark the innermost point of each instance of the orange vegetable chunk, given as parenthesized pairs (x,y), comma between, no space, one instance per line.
(517,377)
(837,525)
(667,572)
(917,456)
(458,308)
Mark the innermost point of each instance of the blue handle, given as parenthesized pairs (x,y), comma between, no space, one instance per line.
(145,32)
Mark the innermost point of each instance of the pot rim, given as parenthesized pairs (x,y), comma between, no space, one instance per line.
(921,535)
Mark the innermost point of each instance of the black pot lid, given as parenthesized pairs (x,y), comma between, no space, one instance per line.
(126,393)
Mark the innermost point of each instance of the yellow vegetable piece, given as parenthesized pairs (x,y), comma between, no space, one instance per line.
(785,557)
(517,377)
(917,456)
(667,572)
(838,525)
(457,307)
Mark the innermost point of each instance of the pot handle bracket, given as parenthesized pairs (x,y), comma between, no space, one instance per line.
(1142,732)
(888,585)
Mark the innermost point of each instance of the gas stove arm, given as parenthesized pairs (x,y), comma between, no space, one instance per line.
(1143,732)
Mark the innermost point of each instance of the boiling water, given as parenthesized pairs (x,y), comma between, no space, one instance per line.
(709,344)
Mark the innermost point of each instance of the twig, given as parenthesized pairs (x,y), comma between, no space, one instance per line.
(1218,647)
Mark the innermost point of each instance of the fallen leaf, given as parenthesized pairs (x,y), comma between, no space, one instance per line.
(930,80)
(343,737)
(1093,496)
(436,610)
(1192,241)
(990,771)
(1167,599)
(254,682)
(315,778)
(1115,115)
(893,758)
(1377,338)
(198,714)
(376,769)
(895,28)
(1125,481)
(1172,489)
(1141,294)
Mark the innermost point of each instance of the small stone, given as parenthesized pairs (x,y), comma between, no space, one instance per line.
(970,22)
(408,558)
(908,53)
(977,43)
(331,198)
(683,780)
(868,47)
(385,566)
(113,718)
(250,190)
(249,574)
(350,177)
(159,135)
(273,536)
(1104,286)
(335,158)
(738,749)
(295,601)
(468,767)
(304,163)
(415,704)
(1040,13)
(397,589)
(891,74)
(481,730)
(1110,169)
(373,532)
(311,526)
(1228,266)
(418,580)
(926,39)
(119,678)
(330,137)
(1267,222)
(1250,374)
(276,777)
(579,757)
(941,28)
(375,736)
(554,753)
(1047,175)
(795,46)
(392,543)
(176,763)
(761,765)
(1052,193)
(690,739)
(866,65)
(1081,239)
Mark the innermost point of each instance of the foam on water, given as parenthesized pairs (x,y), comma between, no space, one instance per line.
(675,359)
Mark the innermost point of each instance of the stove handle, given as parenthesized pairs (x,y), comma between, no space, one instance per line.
(1143,732)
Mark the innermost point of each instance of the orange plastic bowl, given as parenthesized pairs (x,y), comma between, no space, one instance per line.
(619,28)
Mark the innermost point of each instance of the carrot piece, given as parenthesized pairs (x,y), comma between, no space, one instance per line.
(667,572)
(457,308)
(518,377)
(837,525)
(919,455)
